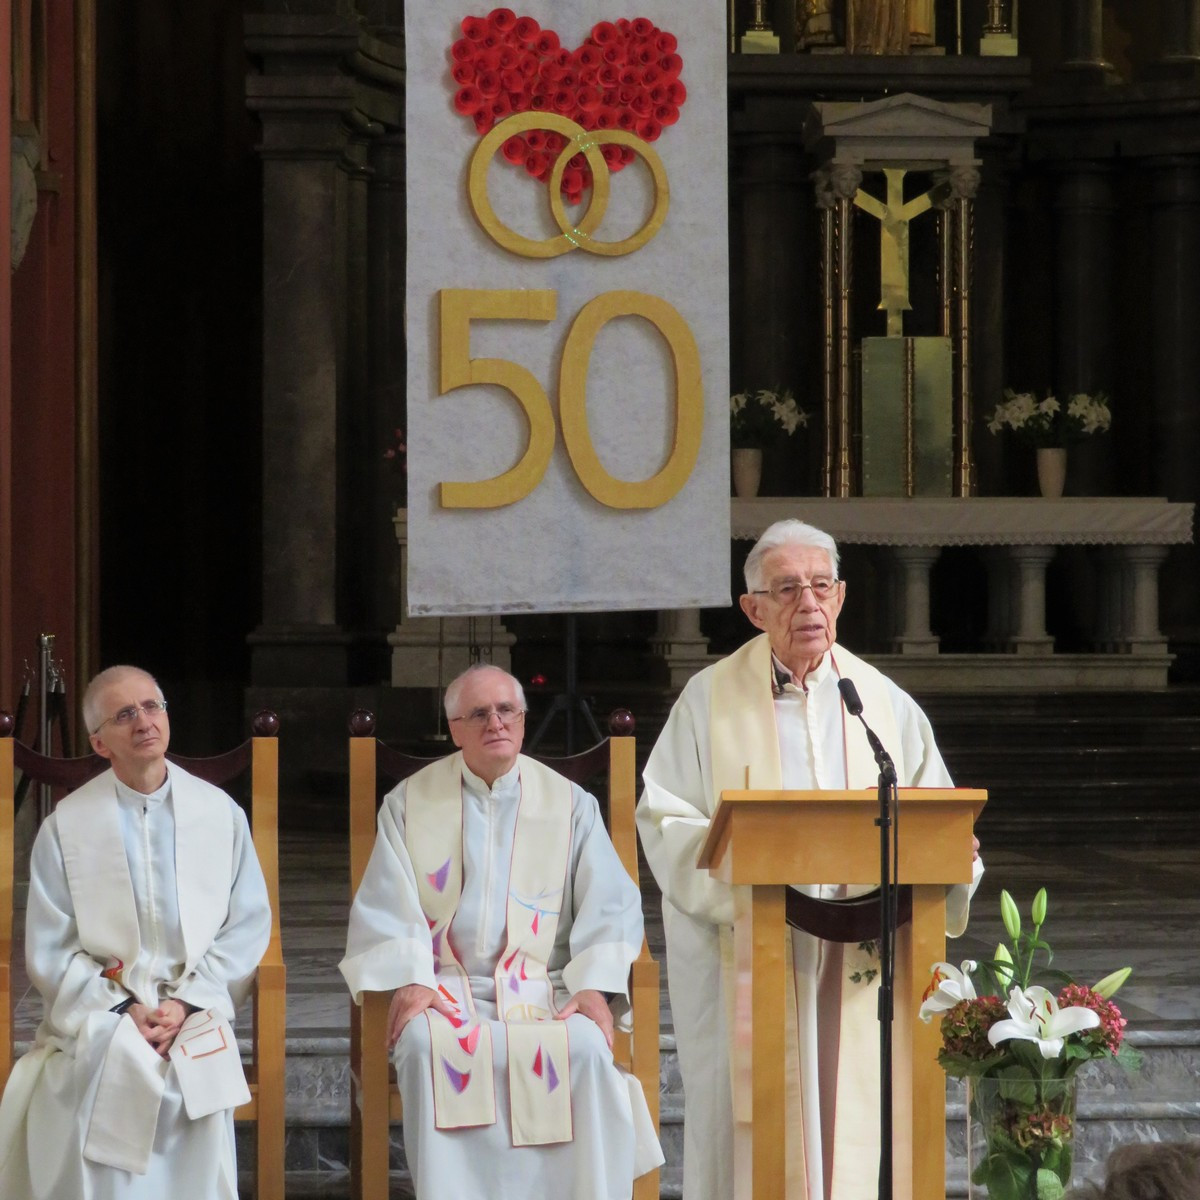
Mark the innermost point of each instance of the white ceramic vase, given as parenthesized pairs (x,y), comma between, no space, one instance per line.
(1051,470)
(747,471)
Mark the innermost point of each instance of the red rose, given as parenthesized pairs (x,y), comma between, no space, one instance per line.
(641,105)
(606,118)
(572,181)
(537,164)
(547,42)
(588,99)
(608,75)
(626,120)
(535,139)
(507,58)
(649,130)
(612,156)
(463,73)
(587,57)
(671,64)
(475,28)
(462,50)
(631,77)
(562,101)
(628,154)
(489,83)
(676,93)
(658,93)
(483,122)
(526,30)
(666,43)
(577,162)
(604,33)
(512,81)
(467,101)
(554,143)
(643,28)
(666,114)
(502,19)
(538,101)
(515,150)
(614,54)
(651,75)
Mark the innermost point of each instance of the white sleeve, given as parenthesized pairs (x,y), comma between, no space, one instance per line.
(675,810)
(388,943)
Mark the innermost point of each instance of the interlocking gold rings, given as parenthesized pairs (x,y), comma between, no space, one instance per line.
(578,235)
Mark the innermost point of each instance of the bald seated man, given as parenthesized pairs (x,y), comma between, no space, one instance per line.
(147,918)
(497,912)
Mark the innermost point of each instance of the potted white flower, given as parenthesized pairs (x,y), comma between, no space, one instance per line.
(758,419)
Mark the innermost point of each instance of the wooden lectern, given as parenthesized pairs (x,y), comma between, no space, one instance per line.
(761,841)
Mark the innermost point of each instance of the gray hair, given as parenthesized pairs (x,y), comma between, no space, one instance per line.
(790,532)
(460,681)
(92,718)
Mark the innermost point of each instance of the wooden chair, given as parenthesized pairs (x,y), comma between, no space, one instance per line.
(260,754)
(374,1097)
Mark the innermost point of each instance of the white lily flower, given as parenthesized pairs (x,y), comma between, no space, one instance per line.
(949,986)
(1035,1017)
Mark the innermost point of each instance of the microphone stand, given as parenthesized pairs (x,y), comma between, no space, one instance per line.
(887,820)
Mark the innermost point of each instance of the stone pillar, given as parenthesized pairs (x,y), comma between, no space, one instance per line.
(1180,49)
(680,644)
(1084,208)
(1142,632)
(1029,599)
(767,194)
(1175,366)
(914,635)
(315,117)
(1083,39)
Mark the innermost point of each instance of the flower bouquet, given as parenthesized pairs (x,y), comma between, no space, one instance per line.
(1046,423)
(1020,1056)
(756,419)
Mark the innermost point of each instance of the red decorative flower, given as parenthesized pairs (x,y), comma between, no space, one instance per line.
(624,75)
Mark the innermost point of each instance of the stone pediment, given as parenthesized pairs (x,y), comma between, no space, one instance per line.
(902,131)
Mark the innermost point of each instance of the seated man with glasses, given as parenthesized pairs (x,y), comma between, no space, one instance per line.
(775,704)
(495,905)
(146,920)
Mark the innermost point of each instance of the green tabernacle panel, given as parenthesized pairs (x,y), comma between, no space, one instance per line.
(907,384)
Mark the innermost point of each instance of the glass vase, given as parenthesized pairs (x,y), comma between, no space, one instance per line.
(1021,1141)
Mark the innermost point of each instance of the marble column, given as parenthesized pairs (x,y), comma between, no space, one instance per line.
(315,121)
(1142,633)
(914,635)
(1086,232)
(1029,599)
(679,642)
(1175,366)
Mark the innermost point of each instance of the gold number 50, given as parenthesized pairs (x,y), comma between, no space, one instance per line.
(459,306)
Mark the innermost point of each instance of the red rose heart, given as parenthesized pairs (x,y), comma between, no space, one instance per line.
(624,76)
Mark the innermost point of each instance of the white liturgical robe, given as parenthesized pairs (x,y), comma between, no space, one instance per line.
(599,934)
(816,748)
(143,897)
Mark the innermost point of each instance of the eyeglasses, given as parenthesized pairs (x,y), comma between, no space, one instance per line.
(480,718)
(789,591)
(123,716)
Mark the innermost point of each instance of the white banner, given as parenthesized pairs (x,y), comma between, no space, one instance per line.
(567,307)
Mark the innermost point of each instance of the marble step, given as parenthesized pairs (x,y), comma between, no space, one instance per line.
(1158,1103)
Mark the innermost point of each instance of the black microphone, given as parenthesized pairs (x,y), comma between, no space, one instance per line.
(854,707)
(850,697)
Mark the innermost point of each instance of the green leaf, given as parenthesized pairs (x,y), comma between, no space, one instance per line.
(1049,1186)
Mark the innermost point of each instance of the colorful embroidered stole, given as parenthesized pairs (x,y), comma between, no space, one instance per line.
(538,1060)
(744,732)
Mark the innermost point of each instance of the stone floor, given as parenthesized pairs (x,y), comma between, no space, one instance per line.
(1109,906)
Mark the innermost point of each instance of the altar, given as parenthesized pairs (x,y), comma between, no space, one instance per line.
(1128,538)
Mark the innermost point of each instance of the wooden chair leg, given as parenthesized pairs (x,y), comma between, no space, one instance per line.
(370,1149)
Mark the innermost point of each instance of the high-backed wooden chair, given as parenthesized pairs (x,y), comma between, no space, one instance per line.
(259,754)
(374,1097)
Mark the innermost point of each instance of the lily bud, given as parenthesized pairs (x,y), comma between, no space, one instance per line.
(1107,987)
(1010,915)
(1002,956)
(1039,907)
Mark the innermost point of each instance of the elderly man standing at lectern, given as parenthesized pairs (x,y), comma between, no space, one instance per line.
(495,905)
(774,704)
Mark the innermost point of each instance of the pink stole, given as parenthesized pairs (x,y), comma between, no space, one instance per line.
(538,1058)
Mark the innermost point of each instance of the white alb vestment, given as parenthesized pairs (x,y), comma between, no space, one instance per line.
(146,898)
(598,936)
(814,744)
